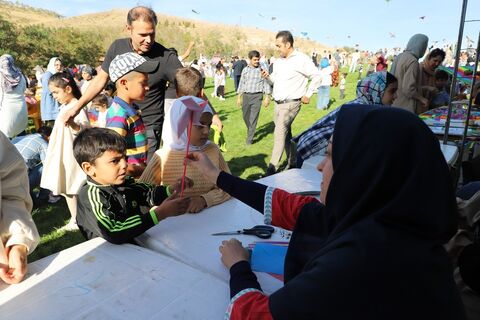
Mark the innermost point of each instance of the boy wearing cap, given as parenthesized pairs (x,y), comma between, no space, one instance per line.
(129,73)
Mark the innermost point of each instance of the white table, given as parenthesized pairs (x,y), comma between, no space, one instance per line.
(450,153)
(99,280)
(188,237)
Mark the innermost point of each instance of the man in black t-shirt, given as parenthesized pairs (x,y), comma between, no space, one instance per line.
(238,66)
(141,23)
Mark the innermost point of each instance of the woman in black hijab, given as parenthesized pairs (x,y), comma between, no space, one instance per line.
(373,248)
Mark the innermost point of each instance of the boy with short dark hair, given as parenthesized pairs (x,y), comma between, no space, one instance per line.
(129,73)
(112,205)
(442,97)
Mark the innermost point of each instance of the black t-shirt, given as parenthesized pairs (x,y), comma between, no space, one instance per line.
(152,104)
(238,67)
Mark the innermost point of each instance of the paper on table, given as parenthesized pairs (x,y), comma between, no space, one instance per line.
(269,257)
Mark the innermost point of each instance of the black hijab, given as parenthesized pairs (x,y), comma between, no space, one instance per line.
(375,250)
(388,164)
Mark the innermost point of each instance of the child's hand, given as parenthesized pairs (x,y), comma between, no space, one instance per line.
(172,206)
(200,161)
(17,264)
(177,186)
(197,204)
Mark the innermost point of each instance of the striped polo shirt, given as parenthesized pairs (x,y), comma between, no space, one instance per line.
(125,119)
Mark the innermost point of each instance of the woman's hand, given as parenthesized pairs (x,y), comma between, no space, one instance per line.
(232,252)
(17,264)
(177,186)
(200,161)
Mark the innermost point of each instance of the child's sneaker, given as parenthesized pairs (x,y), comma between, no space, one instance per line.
(222,98)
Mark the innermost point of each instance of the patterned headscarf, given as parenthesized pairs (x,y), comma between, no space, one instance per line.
(371,88)
(370,91)
(10,75)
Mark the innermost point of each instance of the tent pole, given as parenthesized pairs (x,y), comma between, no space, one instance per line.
(455,70)
(462,146)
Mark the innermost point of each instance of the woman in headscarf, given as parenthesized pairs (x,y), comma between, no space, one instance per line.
(87,75)
(406,69)
(428,67)
(49,107)
(377,88)
(166,166)
(13,108)
(372,248)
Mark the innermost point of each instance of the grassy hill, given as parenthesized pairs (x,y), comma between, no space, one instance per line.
(172,31)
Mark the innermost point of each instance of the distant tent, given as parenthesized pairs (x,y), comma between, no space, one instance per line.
(464,74)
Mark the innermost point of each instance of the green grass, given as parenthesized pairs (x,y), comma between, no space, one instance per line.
(249,162)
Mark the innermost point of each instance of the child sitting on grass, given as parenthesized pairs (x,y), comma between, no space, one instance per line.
(167,162)
(112,205)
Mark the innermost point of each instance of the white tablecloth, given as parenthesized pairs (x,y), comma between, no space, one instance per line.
(99,280)
(188,237)
(449,152)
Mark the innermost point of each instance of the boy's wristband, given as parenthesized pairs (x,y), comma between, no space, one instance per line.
(153,214)
(167,190)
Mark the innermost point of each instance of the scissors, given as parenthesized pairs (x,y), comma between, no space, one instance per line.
(261,231)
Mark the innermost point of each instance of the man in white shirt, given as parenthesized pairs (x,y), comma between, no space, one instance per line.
(289,78)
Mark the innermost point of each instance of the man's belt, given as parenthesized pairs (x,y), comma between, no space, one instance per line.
(287,101)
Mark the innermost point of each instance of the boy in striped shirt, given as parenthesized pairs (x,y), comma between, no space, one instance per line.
(129,72)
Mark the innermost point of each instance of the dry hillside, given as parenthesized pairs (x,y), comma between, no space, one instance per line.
(172,31)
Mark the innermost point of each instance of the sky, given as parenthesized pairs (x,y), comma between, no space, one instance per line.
(372,24)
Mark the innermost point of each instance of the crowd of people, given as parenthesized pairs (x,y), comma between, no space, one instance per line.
(113,143)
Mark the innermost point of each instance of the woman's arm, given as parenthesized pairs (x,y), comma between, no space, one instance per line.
(279,207)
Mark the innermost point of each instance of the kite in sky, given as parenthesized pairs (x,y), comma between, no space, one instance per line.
(304,33)
(195,11)
(274,18)
(422,17)
(391,34)
(261,15)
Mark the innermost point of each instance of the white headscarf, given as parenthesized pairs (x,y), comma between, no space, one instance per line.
(51,65)
(179,117)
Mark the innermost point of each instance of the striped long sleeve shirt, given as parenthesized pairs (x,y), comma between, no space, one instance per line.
(124,119)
